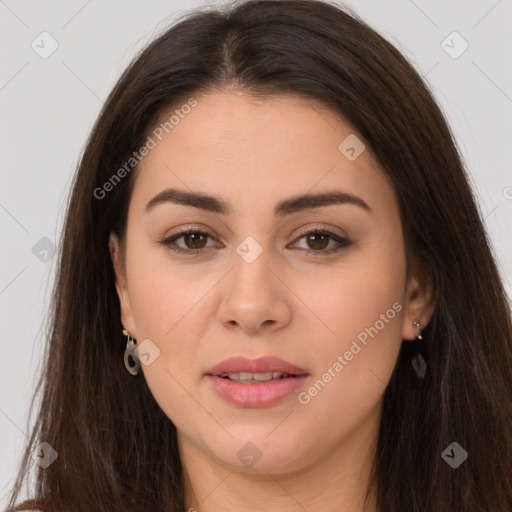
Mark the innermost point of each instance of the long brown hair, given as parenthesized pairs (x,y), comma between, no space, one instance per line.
(116,449)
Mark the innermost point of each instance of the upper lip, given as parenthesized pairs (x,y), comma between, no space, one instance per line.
(260,365)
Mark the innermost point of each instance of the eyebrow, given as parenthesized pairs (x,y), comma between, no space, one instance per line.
(285,207)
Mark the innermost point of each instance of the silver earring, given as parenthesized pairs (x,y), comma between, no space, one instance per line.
(129,352)
(418,361)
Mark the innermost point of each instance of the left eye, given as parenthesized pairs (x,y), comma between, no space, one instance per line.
(319,240)
(195,241)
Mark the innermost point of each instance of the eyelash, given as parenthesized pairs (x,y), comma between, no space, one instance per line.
(344,242)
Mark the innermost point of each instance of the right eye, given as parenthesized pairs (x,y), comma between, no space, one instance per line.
(194,240)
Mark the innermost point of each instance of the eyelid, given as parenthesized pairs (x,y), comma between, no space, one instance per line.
(184,230)
(341,240)
(189,228)
(302,231)
(307,229)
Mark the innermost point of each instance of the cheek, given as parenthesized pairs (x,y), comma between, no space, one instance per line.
(167,309)
(357,351)
(360,298)
(161,293)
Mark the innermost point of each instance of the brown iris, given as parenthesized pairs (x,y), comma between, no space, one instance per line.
(196,239)
(318,244)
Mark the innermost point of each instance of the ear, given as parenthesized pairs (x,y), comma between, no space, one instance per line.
(121,283)
(419,300)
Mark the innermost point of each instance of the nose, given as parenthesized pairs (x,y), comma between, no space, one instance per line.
(254,299)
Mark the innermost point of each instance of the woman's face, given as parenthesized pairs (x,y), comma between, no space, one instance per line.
(255,281)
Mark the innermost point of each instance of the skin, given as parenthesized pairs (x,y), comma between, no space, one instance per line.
(304,308)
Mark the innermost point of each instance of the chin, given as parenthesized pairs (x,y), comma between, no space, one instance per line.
(257,452)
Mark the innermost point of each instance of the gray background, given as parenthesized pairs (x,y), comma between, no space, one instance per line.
(47,108)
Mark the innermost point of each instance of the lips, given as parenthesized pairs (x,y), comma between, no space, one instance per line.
(248,377)
(250,383)
(264,365)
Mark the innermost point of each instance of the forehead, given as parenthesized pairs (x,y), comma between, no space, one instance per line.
(232,143)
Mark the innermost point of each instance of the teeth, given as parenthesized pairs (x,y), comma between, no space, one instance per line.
(259,377)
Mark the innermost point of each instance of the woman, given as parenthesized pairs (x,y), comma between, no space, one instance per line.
(275,290)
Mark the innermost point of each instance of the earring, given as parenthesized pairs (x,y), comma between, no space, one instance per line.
(418,361)
(129,352)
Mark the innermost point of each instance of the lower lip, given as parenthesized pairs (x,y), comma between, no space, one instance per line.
(262,394)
